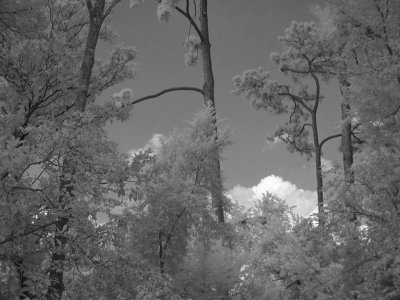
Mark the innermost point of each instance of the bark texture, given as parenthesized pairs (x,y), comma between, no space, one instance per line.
(317,147)
(209,100)
(318,169)
(347,148)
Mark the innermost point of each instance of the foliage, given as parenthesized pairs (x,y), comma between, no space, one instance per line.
(175,202)
(193,44)
(307,54)
(161,239)
(40,128)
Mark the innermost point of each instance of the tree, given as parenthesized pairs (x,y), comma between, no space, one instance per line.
(50,177)
(379,54)
(194,43)
(288,257)
(369,34)
(306,57)
(174,201)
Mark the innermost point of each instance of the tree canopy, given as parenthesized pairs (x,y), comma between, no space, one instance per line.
(80,219)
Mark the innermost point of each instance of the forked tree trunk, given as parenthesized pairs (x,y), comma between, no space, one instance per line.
(209,100)
(56,288)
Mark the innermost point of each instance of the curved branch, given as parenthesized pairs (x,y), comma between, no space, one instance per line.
(294,144)
(329,138)
(174,89)
(357,139)
(294,110)
(394,112)
(187,15)
(302,129)
(297,99)
(355,127)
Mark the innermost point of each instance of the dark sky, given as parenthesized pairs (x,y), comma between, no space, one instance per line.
(243,33)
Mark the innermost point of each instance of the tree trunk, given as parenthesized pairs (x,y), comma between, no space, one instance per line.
(347,148)
(318,169)
(353,252)
(161,254)
(56,288)
(317,147)
(208,88)
(96,20)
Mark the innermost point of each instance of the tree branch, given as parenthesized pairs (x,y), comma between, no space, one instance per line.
(357,139)
(110,8)
(393,113)
(294,144)
(328,138)
(190,19)
(174,89)
(302,129)
(297,99)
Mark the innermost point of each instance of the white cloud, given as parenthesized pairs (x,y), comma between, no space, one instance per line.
(154,143)
(303,200)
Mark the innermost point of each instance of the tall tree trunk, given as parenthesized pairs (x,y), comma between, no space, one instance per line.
(96,21)
(317,147)
(347,148)
(208,88)
(56,288)
(161,252)
(318,169)
(353,251)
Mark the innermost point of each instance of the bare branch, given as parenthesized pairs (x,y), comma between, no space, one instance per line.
(329,138)
(297,99)
(393,113)
(294,144)
(302,128)
(357,139)
(174,89)
(187,15)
